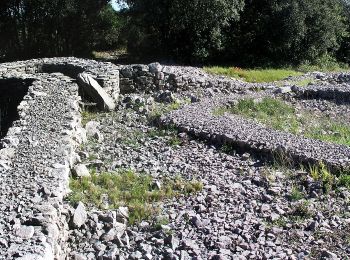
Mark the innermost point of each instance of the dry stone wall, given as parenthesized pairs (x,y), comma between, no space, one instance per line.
(105,73)
(200,120)
(38,151)
(156,77)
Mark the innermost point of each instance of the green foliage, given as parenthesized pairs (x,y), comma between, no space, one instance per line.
(282,116)
(302,82)
(301,210)
(87,115)
(126,188)
(324,63)
(36,28)
(296,194)
(291,32)
(185,30)
(322,173)
(160,109)
(108,29)
(281,222)
(253,75)
(344,180)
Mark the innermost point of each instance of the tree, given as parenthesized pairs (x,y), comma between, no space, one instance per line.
(278,31)
(190,31)
(37,28)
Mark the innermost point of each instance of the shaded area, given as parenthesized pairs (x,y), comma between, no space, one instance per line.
(12,92)
(73,72)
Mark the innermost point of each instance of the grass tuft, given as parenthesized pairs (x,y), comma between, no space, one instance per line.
(296,194)
(281,116)
(253,75)
(126,188)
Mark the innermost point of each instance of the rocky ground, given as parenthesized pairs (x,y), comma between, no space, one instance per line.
(247,209)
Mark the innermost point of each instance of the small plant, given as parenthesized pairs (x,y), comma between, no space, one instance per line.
(344,180)
(174,141)
(126,188)
(227,148)
(322,173)
(87,115)
(160,109)
(160,222)
(280,222)
(302,82)
(281,160)
(324,63)
(220,111)
(296,194)
(301,210)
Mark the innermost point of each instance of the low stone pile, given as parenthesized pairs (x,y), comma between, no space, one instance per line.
(38,152)
(199,120)
(155,77)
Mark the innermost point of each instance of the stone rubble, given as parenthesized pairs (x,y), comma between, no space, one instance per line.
(199,119)
(246,210)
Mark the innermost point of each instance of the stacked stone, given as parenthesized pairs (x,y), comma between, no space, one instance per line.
(36,158)
(105,73)
(244,134)
(339,93)
(155,77)
(38,152)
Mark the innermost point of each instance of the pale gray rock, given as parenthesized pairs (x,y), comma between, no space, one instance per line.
(96,92)
(80,170)
(80,215)
(25,232)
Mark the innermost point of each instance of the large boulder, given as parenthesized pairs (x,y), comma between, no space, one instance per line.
(96,92)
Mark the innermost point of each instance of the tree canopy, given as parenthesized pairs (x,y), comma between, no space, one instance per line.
(36,28)
(249,32)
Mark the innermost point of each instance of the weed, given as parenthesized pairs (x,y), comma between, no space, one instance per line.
(220,111)
(325,63)
(280,222)
(133,138)
(126,188)
(296,194)
(160,109)
(301,211)
(160,222)
(321,173)
(174,141)
(227,148)
(282,161)
(302,82)
(344,180)
(87,116)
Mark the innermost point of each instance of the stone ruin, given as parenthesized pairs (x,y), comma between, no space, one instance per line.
(41,127)
(40,130)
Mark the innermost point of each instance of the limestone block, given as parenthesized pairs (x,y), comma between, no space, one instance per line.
(96,92)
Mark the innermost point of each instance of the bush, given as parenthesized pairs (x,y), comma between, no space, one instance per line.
(280,32)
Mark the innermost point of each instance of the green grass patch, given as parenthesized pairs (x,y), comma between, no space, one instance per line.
(87,116)
(126,188)
(302,82)
(253,75)
(160,109)
(296,194)
(282,116)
